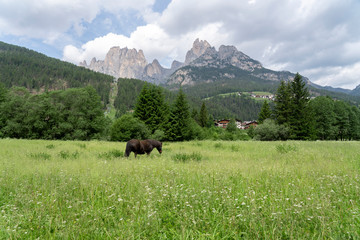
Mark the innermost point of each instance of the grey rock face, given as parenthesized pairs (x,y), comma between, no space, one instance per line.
(130,63)
(120,62)
(198,49)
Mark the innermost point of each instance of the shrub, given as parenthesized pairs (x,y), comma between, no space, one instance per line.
(285,148)
(41,156)
(112,154)
(270,131)
(67,155)
(158,135)
(184,157)
(128,127)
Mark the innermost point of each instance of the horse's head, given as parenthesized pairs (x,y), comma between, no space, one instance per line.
(159,147)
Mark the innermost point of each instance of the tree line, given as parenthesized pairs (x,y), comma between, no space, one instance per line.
(26,68)
(77,113)
(296,116)
(154,117)
(64,114)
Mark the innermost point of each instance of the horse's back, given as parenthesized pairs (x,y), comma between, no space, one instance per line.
(132,145)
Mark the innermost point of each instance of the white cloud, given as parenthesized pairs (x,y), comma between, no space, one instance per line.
(320,38)
(338,76)
(51,19)
(152,39)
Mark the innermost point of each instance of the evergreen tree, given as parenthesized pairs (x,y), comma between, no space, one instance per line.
(324,117)
(178,126)
(282,101)
(142,106)
(3,92)
(195,115)
(354,123)
(231,127)
(265,112)
(204,117)
(342,120)
(300,119)
(151,108)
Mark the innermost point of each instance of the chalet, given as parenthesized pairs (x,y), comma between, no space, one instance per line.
(224,122)
(248,124)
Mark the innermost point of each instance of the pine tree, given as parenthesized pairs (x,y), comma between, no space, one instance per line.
(231,127)
(265,112)
(282,109)
(203,118)
(151,108)
(324,117)
(178,128)
(300,119)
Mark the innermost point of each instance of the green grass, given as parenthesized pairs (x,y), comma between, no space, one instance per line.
(194,190)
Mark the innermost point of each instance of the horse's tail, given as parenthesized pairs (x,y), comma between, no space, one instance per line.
(127,150)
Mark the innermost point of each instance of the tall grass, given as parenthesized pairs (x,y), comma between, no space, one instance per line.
(222,190)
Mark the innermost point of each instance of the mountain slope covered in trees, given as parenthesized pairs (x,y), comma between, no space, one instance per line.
(38,73)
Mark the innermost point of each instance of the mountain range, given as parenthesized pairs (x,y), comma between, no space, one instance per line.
(207,75)
(203,64)
(131,63)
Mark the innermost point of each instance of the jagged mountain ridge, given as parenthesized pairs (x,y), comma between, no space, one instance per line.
(227,57)
(130,63)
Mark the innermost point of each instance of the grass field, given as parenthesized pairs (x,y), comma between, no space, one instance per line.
(194,190)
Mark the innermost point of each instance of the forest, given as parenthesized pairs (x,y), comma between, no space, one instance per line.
(69,114)
(45,98)
(38,73)
(297,116)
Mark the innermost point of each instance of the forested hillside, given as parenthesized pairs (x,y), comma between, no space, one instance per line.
(63,114)
(38,73)
(210,81)
(129,90)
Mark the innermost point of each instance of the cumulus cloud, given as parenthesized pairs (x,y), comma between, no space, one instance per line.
(338,76)
(153,40)
(318,38)
(51,19)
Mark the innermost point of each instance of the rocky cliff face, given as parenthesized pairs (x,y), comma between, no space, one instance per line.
(198,49)
(120,62)
(203,57)
(130,63)
(227,55)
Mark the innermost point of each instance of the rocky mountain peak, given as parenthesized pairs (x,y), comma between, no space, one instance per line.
(153,69)
(227,51)
(198,49)
(176,64)
(131,63)
(120,62)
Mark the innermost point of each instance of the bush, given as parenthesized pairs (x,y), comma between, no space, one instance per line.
(270,131)
(285,148)
(184,157)
(158,135)
(112,154)
(128,127)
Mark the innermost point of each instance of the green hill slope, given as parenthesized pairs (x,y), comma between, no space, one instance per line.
(38,73)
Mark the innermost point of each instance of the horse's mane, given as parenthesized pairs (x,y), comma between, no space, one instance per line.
(153,142)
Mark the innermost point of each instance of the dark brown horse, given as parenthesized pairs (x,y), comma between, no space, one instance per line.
(142,147)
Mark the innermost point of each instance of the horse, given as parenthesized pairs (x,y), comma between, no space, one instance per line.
(142,146)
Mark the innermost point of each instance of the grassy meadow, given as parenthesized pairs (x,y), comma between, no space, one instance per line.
(194,190)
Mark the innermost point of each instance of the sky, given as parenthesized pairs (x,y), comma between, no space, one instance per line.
(320,39)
